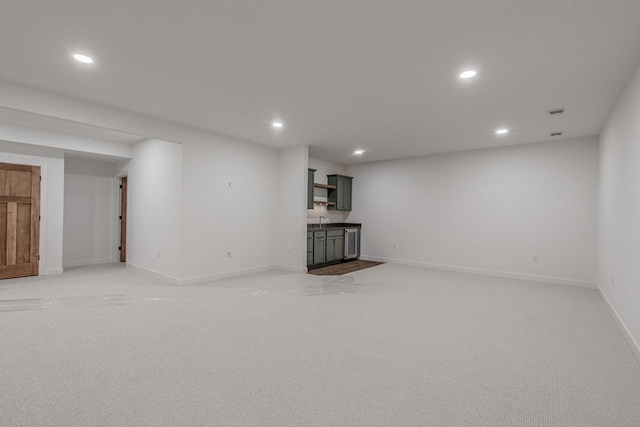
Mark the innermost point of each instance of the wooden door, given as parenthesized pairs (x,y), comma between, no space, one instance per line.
(123,220)
(19,220)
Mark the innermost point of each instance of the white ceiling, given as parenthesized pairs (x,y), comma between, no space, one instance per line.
(373,74)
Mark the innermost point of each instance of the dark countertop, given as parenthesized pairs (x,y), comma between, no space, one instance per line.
(336,225)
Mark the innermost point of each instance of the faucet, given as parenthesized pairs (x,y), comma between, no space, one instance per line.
(321,221)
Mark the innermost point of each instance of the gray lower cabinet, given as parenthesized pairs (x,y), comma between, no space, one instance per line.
(309,248)
(335,245)
(319,247)
(325,246)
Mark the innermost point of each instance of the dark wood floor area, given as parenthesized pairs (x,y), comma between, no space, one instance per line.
(343,268)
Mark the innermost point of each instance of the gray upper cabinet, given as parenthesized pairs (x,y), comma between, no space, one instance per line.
(346,193)
(310,178)
(341,196)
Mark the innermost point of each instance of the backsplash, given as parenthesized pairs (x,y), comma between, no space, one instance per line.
(313,215)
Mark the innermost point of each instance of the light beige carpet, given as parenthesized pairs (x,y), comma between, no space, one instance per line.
(390,345)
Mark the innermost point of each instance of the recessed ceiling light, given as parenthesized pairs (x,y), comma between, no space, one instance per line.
(468,74)
(358,152)
(83,58)
(502,131)
(277,125)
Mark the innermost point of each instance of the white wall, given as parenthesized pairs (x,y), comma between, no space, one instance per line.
(291,230)
(51,163)
(89,209)
(219,217)
(486,210)
(155,207)
(619,210)
(324,168)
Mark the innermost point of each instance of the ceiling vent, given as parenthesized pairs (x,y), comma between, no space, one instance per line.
(556,111)
(555,133)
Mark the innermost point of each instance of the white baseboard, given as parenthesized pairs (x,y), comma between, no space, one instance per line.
(216,276)
(494,273)
(53,271)
(623,328)
(87,262)
(225,275)
(165,277)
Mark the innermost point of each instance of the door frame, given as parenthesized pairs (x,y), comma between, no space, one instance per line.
(117,207)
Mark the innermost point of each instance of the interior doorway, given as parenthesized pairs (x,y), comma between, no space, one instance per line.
(19,220)
(123,219)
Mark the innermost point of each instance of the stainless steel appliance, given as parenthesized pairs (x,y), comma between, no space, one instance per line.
(351,243)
